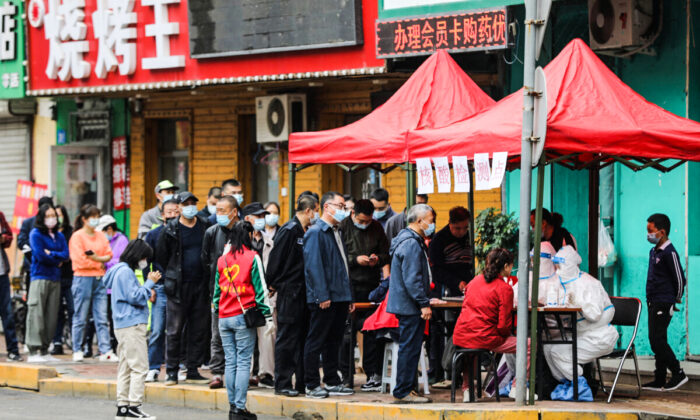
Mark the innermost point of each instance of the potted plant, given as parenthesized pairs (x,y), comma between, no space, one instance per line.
(495,229)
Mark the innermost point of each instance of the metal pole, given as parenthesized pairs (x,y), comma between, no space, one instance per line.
(410,186)
(292,190)
(525,187)
(472,226)
(536,280)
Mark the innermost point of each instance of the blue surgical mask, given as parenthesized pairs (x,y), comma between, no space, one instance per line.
(361,226)
(272,219)
(340,215)
(429,230)
(110,237)
(259,224)
(189,211)
(222,220)
(212,209)
(167,197)
(378,214)
(239,198)
(315,218)
(93,222)
(652,238)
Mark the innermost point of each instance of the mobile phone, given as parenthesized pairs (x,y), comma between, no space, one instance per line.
(373,258)
(89,252)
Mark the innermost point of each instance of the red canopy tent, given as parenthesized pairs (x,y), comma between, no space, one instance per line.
(438,94)
(593,117)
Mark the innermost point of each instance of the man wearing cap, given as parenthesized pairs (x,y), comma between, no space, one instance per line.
(153,217)
(254,213)
(178,252)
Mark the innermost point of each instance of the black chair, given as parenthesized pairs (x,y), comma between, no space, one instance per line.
(627,313)
(473,360)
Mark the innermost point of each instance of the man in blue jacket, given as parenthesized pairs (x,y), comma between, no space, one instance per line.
(408,297)
(329,296)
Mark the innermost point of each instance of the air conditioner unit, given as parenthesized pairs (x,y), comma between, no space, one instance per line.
(277,116)
(619,24)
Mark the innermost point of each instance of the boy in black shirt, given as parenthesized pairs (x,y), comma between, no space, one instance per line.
(665,285)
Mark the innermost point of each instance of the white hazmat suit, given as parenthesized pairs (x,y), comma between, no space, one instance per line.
(547,277)
(595,336)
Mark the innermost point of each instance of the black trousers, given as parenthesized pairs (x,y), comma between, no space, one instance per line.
(289,352)
(372,351)
(193,311)
(659,318)
(325,335)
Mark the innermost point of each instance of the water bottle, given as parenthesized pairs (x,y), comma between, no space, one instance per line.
(552,298)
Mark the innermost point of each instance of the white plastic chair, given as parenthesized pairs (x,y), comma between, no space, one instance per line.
(391,355)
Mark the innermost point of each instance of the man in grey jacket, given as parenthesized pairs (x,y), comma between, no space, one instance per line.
(408,297)
(153,217)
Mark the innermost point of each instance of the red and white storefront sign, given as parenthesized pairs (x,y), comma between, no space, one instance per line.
(89,46)
(121,192)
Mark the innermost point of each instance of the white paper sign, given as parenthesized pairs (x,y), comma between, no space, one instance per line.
(482,171)
(424,170)
(498,169)
(443,175)
(461,170)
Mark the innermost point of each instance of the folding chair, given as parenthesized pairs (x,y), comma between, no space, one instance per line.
(627,313)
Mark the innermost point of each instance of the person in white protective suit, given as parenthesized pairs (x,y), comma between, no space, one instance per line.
(595,336)
(547,277)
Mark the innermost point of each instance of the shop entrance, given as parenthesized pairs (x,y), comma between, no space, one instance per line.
(81,176)
(258,164)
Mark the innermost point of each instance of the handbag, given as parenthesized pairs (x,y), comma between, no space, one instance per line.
(253,317)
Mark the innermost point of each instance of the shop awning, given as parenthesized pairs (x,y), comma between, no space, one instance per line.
(439,93)
(593,117)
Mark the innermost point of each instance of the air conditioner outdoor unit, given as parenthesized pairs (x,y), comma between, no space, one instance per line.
(277,116)
(619,24)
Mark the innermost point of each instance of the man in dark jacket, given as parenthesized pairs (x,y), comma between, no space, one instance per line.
(209,208)
(213,246)
(368,253)
(285,276)
(408,297)
(8,322)
(382,208)
(398,221)
(329,296)
(179,252)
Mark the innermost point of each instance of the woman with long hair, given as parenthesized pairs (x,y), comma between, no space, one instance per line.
(239,287)
(89,251)
(65,309)
(49,251)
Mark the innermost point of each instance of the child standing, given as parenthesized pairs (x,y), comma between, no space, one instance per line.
(130,315)
(665,285)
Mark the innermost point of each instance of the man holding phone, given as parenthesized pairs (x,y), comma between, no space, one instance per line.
(368,259)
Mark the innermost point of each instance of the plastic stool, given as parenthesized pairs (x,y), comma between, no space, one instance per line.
(391,354)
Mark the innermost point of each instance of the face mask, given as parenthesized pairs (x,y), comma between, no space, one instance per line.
(340,215)
(50,222)
(169,219)
(110,237)
(239,198)
(652,238)
(272,219)
(259,224)
(361,226)
(222,220)
(212,209)
(430,230)
(167,197)
(143,264)
(93,222)
(378,214)
(315,218)
(189,211)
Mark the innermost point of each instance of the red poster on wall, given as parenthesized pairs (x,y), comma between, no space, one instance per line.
(121,194)
(26,202)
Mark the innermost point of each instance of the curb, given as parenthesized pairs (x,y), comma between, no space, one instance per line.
(20,375)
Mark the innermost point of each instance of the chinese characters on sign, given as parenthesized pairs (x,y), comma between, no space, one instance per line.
(480,30)
(424,169)
(11,49)
(26,201)
(487,176)
(442,172)
(113,24)
(482,171)
(120,175)
(461,170)
(498,169)
(8,39)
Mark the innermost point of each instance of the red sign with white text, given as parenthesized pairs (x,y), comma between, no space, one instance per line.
(121,194)
(26,202)
(97,43)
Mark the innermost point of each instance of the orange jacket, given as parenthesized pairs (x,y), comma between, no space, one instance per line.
(81,242)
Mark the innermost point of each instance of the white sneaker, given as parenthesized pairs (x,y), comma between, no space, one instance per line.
(50,358)
(108,357)
(465,397)
(36,358)
(152,375)
(78,356)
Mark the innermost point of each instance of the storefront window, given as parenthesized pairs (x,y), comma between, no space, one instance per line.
(173,151)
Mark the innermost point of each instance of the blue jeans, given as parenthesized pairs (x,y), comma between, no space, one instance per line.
(86,290)
(411,330)
(67,300)
(8,320)
(156,341)
(238,342)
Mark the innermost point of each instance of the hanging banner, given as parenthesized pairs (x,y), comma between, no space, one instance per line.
(482,171)
(424,169)
(26,202)
(460,166)
(442,173)
(11,49)
(498,169)
(121,195)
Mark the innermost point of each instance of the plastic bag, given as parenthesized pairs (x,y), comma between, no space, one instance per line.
(565,391)
(606,247)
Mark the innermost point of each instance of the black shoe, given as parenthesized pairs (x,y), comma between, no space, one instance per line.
(122,412)
(57,349)
(14,357)
(655,385)
(317,393)
(171,379)
(339,390)
(677,380)
(287,392)
(135,412)
(236,413)
(371,386)
(196,378)
(266,381)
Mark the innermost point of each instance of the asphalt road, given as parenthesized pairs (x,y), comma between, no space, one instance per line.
(28,405)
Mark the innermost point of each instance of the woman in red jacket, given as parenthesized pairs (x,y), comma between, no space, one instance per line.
(486,320)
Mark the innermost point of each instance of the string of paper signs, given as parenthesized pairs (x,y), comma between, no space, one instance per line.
(486,175)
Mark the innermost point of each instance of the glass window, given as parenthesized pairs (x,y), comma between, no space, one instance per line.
(173,151)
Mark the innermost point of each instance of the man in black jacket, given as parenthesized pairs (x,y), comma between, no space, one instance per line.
(179,252)
(368,255)
(285,276)
(215,240)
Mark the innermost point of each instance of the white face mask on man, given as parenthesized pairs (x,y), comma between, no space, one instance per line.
(143,264)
